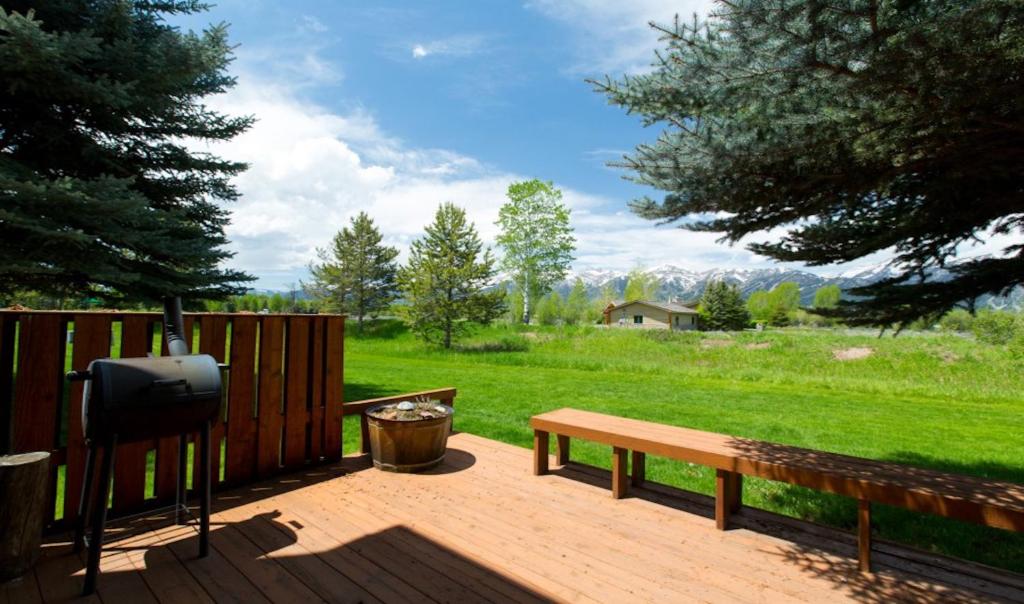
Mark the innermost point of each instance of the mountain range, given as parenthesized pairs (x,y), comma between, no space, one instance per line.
(686,285)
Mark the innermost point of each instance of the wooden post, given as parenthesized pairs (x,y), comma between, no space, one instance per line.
(563,449)
(864,535)
(639,468)
(728,496)
(540,452)
(23,510)
(619,473)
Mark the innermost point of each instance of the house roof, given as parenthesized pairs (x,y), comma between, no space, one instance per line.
(667,306)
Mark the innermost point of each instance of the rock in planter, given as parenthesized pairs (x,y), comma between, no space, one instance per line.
(22,510)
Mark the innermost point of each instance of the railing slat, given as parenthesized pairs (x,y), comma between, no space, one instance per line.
(130,459)
(316,404)
(241,428)
(333,387)
(296,392)
(268,453)
(212,340)
(37,388)
(8,327)
(91,342)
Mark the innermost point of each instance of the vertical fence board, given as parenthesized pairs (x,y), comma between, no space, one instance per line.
(166,476)
(241,428)
(316,378)
(213,334)
(8,325)
(270,382)
(296,392)
(37,390)
(92,341)
(37,387)
(130,466)
(333,393)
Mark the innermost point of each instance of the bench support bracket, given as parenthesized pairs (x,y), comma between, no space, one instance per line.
(540,452)
(728,496)
(639,468)
(563,450)
(864,535)
(620,474)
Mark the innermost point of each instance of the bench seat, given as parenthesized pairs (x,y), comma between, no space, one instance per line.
(988,502)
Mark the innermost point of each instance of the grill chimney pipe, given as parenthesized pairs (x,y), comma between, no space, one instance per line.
(174,326)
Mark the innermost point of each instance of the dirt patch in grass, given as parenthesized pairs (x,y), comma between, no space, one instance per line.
(715,343)
(948,356)
(758,346)
(852,354)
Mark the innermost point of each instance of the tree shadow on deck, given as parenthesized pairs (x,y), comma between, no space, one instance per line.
(269,556)
(830,553)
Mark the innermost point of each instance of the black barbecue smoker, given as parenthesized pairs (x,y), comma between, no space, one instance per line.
(140,399)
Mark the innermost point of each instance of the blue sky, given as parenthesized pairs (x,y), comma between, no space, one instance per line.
(395,107)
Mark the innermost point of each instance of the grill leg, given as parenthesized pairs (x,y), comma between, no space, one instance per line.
(204,491)
(83,501)
(99,518)
(180,494)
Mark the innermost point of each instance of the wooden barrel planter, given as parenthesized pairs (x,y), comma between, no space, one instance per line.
(408,437)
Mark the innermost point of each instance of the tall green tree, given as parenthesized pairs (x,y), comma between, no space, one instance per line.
(536,238)
(722,308)
(759,305)
(857,127)
(358,273)
(102,189)
(445,284)
(577,306)
(640,286)
(550,309)
(827,296)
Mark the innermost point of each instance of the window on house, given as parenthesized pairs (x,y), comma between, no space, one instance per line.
(638,319)
(677,320)
(693,320)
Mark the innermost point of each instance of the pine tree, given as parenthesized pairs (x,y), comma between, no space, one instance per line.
(577,305)
(872,127)
(357,275)
(536,238)
(102,190)
(722,308)
(640,286)
(445,282)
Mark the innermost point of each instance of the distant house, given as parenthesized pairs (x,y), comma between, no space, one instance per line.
(650,315)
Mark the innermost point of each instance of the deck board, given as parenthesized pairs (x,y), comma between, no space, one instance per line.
(482,528)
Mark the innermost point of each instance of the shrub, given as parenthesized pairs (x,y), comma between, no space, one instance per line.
(996,326)
(957,319)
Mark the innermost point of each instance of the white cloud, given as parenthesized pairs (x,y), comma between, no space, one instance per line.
(613,36)
(312,24)
(462,45)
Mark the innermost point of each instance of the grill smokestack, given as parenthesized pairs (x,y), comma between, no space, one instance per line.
(174,324)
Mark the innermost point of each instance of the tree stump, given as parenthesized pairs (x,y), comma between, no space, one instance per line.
(22,510)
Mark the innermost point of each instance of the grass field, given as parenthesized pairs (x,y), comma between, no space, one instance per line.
(938,401)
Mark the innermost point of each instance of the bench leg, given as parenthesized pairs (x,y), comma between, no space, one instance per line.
(864,535)
(540,452)
(639,468)
(728,496)
(619,472)
(563,450)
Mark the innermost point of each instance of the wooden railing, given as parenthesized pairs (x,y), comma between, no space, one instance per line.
(444,395)
(282,407)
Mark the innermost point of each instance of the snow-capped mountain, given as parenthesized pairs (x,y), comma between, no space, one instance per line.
(687,285)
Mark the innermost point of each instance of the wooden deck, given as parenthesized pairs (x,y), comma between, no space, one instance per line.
(482,528)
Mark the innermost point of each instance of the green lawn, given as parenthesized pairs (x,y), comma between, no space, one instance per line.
(942,402)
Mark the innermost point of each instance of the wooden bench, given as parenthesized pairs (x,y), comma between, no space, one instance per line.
(988,502)
(444,395)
